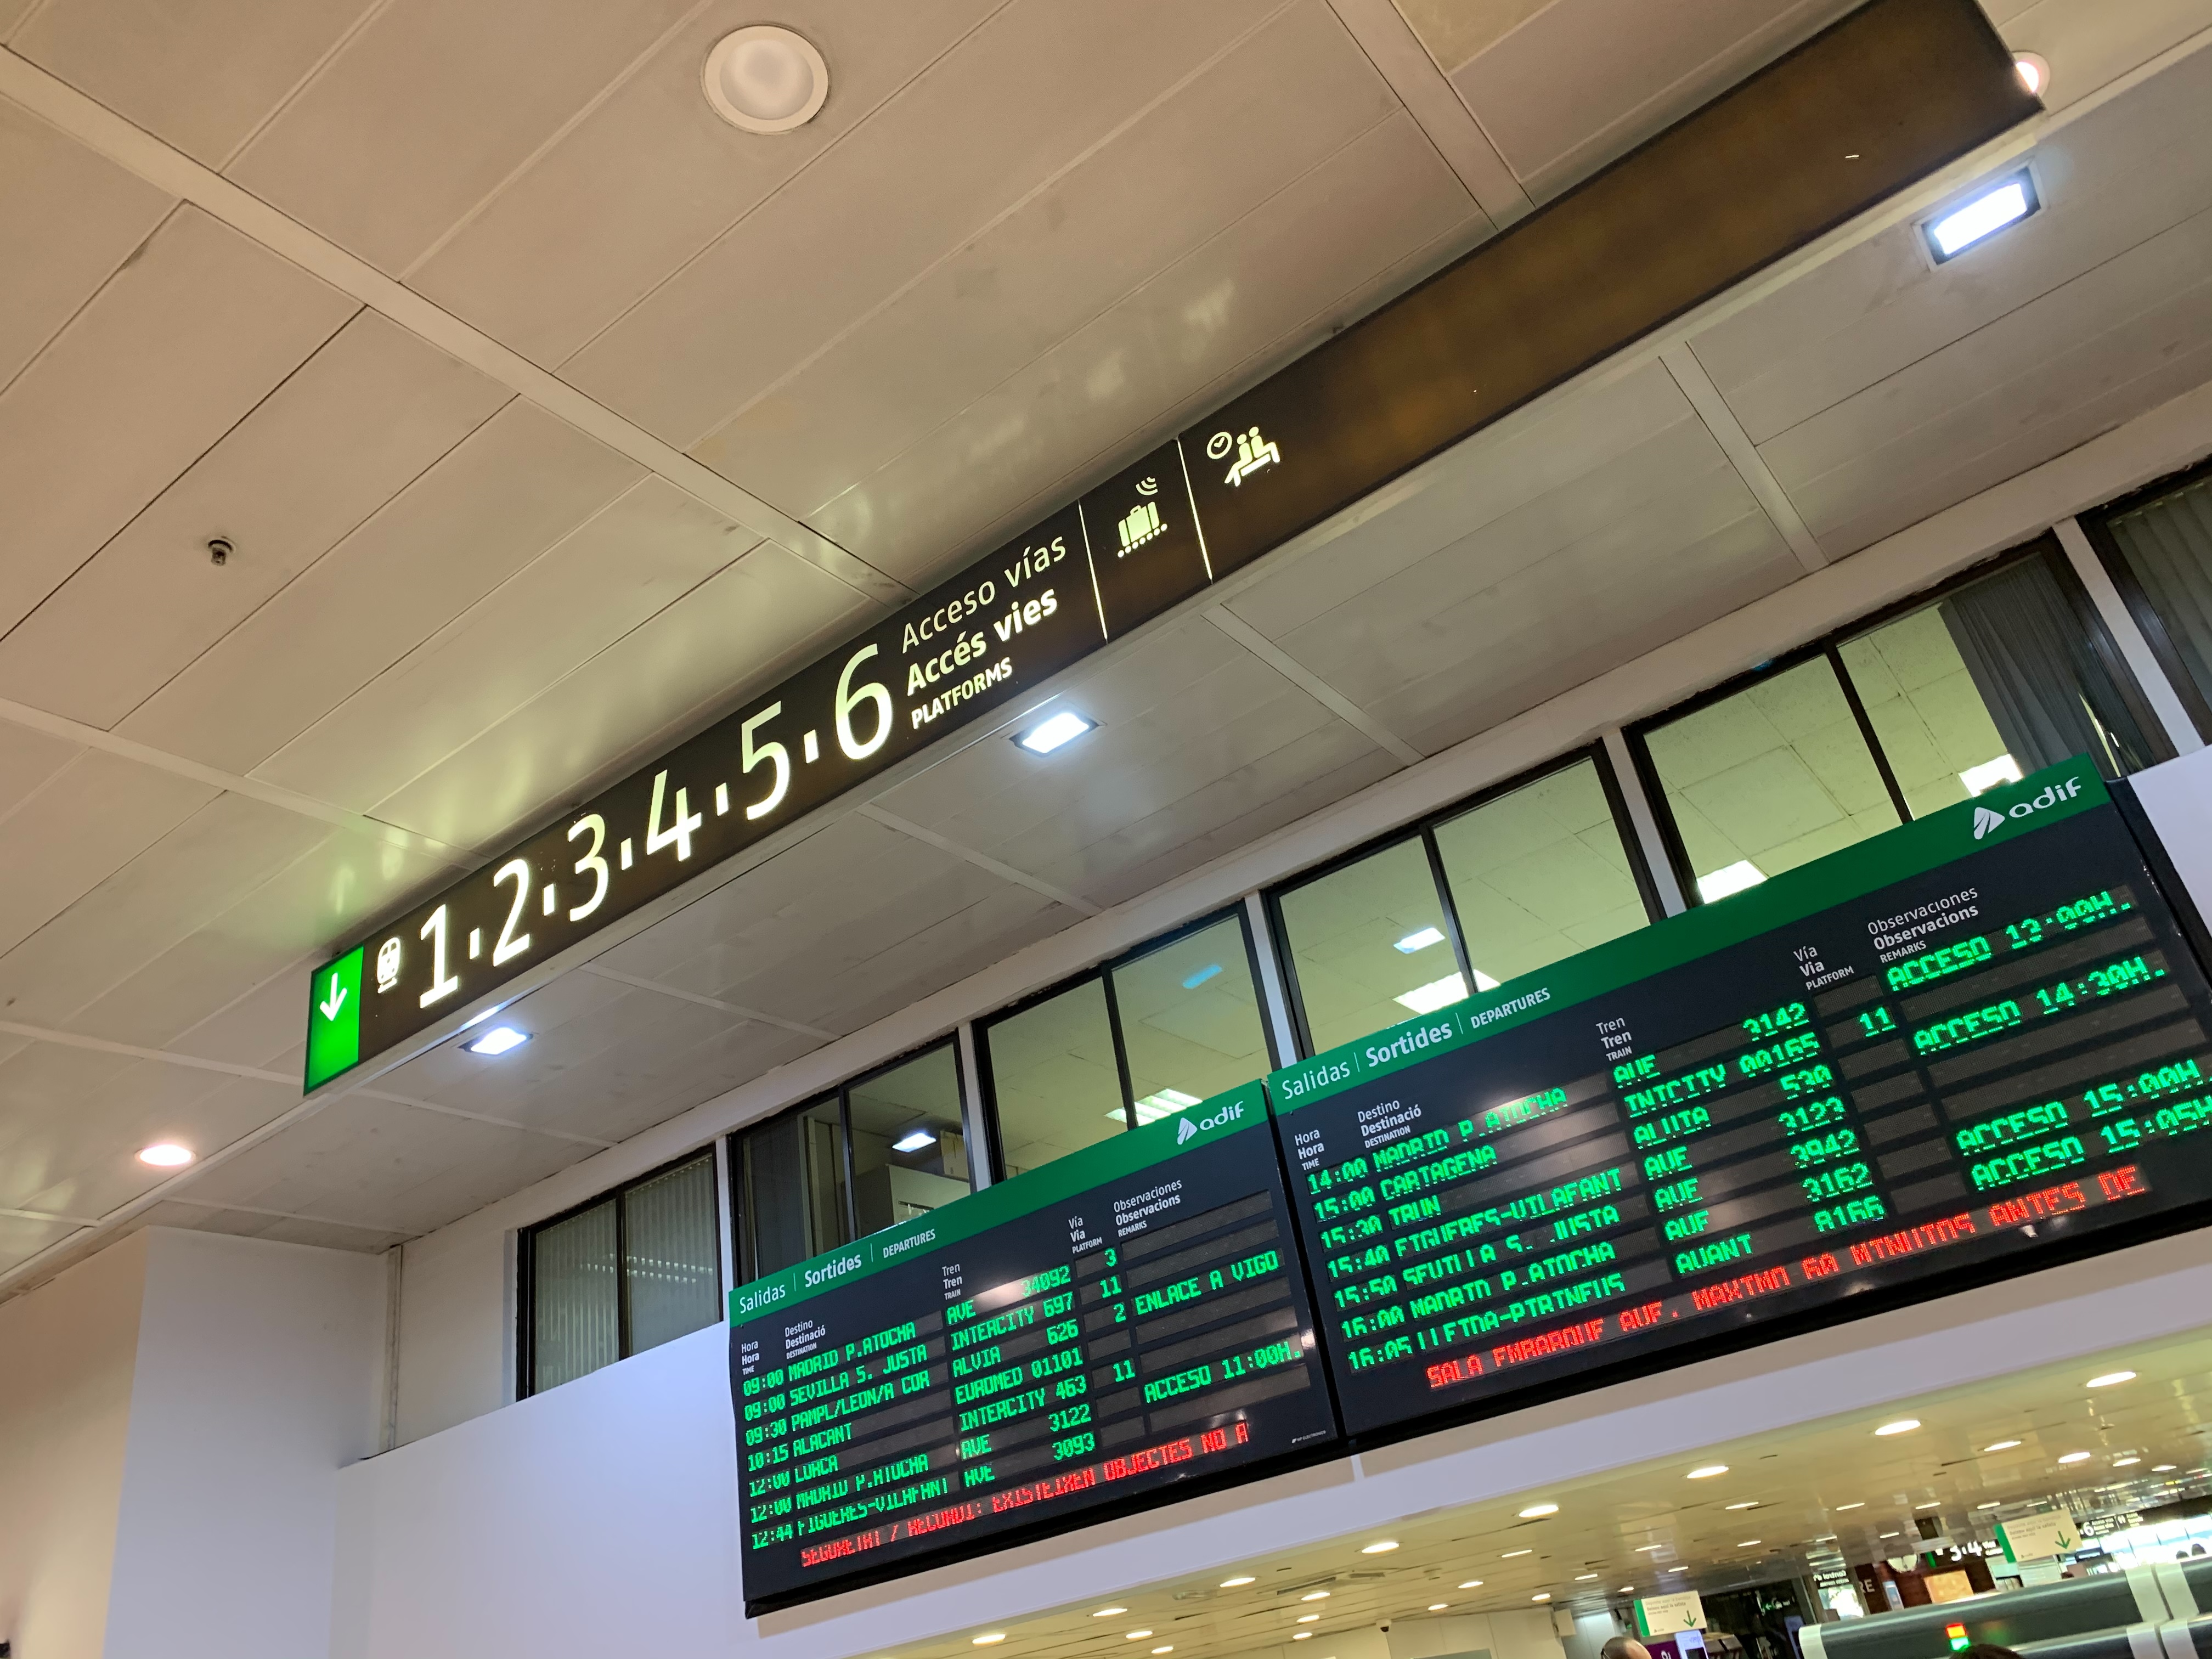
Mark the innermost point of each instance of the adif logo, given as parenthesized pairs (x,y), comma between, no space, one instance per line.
(1986,820)
(1185,1130)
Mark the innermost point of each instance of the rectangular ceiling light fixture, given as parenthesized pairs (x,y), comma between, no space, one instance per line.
(1420,941)
(2005,202)
(1065,727)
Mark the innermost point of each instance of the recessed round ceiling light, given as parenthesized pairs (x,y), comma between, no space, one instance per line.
(1315,1596)
(2110,1379)
(1749,1503)
(1707,1471)
(1308,1618)
(986,1641)
(1135,1635)
(1164,1647)
(766,79)
(1998,1504)
(1108,1612)
(2034,74)
(2074,1457)
(1510,1554)
(1541,1595)
(2000,1445)
(165,1155)
(1937,1504)
(1438,1607)
(2163,1469)
(1302,1636)
(1382,1547)
(2125,1463)
(1476,1583)
(1859,1505)
(1538,1511)
(1241,1578)
(1901,1425)
(1628,1589)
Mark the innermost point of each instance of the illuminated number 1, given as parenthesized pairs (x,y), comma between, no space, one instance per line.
(442,984)
(509,945)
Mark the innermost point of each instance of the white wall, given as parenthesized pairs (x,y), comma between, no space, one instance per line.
(601,1517)
(2178,798)
(257,1377)
(65,1368)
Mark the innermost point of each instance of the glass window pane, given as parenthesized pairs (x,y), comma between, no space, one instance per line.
(2167,545)
(1369,946)
(794,1196)
(1931,721)
(1539,874)
(574,1324)
(1054,1078)
(1771,778)
(1190,1020)
(2044,682)
(909,1152)
(671,1255)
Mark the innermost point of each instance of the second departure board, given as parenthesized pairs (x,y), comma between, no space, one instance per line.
(1126,1320)
(1977,1035)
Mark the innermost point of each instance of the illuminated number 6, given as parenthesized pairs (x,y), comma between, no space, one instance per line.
(848,700)
(591,861)
(766,752)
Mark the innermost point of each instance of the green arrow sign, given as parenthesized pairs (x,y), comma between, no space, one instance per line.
(334,1018)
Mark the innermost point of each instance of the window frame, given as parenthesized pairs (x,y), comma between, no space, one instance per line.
(1424,828)
(2096,529)
(741,1241)
(1830,646)
(1104,971)
(525,1278)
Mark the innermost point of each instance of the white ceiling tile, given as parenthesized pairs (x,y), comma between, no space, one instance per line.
(657,175)
(430,106)
(72,1121)
(516,484)
(739,631)
(177,346)
(1453,31)
(1581,82)
(1262,291)
(1294,96)
(854,921)
(21,1240)
(376,1163)
(641,553)
(368,413)
(68,218)
(27,759)
(202,75)
(92,817)
(1023,97)
(266,1027)
(2052,374)
(180,884)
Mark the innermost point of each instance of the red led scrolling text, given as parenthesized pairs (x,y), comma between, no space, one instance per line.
(1067,1483)
(2024,1210)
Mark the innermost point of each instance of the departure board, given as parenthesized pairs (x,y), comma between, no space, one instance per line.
(1126,1321)
(1977,1035)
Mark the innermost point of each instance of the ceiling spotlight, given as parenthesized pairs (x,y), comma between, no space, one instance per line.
(1674,1569)
(1707,1471)
(165,1155)
(2034,74)
(1889,1534)
(1241,1578)
(1135,1635)
(1476,1583)
(1164,1647)
(986,1641)
(1859,1505)
(1997,1504)
(1383,1547)
(1108,1612)
(1748,1542)
(1643,1549)
(497,1041)
(2003,203)
(1584,1577)
(1902,1425)
(1541,1595)
(766,79)
(1315,1596)
(1055,733)
(1308,1618)
(1749,1503)
(2125,1463)
(1538,1511)
(2000,1445)
(2111,1380)
(2074,1457)
(1438,1607)
(1937,1504)
(1302,1636)
(2163,1469)
(1510,1554)
(1628,1589)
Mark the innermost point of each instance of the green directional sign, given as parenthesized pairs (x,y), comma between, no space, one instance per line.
(334,1018)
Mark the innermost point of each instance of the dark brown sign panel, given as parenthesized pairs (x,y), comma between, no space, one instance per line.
(1884,97)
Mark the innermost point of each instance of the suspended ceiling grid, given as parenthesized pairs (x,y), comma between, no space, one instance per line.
(640,412)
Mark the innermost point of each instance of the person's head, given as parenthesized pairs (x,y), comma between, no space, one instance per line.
(1623,1647)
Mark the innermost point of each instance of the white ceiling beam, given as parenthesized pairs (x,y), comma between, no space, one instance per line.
(1680,361)
(601,971)
(170,170)
(1312,684)
(982,861)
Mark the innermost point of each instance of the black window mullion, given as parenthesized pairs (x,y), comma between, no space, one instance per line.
(845,1139)
(622,1273)
(1121,1049)
(1443,884)
(1279,940)
(1866,731)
